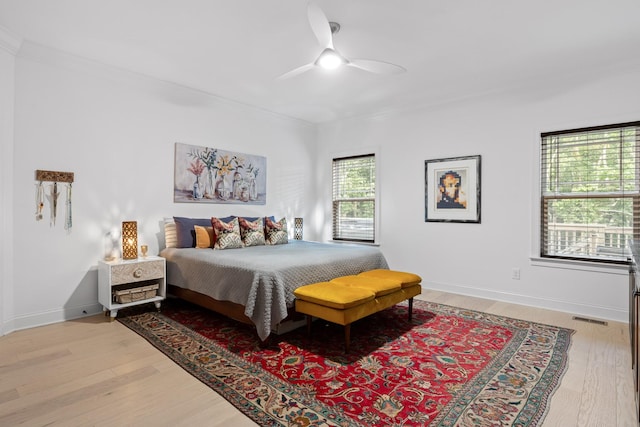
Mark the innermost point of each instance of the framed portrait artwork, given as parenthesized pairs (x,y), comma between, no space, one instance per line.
(452,189)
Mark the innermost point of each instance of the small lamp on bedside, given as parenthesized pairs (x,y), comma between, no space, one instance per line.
(129,240)
(297,228)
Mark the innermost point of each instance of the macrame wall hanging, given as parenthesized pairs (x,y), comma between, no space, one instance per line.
(51,194)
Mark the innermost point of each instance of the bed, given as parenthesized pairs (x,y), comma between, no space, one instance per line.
(255,284)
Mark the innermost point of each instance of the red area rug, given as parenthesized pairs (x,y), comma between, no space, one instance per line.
(448,367)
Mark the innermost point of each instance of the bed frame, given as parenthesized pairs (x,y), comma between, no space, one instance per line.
(233,310)
(227,308)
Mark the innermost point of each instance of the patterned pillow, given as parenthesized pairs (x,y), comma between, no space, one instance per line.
(204,237)
(276,232)
(252,232)
(227,233)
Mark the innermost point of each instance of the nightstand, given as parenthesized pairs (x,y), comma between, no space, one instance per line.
(125,283)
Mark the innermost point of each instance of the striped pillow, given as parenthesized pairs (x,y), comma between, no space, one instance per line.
(170,234)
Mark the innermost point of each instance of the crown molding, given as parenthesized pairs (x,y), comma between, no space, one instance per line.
(9,41)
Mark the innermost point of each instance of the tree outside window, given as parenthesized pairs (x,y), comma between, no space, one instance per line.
(354,198)
(590,192)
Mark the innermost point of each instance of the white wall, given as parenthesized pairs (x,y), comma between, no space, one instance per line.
(504,128)
(9,45)
(116,131)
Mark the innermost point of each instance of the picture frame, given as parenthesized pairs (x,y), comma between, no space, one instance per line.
(213,175)
(452,189)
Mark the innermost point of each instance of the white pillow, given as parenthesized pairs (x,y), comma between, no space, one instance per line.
(170,234)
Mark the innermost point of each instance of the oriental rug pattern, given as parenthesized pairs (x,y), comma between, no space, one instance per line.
(448,367)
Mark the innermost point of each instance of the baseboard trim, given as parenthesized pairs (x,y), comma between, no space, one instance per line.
(608,313)
(54,316)
(600,312)
(7,327)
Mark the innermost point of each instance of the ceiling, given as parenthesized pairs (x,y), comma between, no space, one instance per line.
(236,49)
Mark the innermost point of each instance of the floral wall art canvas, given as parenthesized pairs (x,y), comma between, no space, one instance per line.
(212,175)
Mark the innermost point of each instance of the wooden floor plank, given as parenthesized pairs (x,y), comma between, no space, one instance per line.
(61,402)
(8,395)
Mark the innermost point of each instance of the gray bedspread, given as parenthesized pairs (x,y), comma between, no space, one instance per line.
(262,278)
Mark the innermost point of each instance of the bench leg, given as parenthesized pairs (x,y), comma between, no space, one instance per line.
(410,308)
(347,337)
(309,319)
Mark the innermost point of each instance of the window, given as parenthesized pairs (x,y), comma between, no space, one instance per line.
(354,198)
(590,192)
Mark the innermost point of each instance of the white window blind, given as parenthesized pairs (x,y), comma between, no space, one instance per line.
(590,192)
(354,198)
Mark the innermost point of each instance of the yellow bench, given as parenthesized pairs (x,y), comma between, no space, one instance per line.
(346,299)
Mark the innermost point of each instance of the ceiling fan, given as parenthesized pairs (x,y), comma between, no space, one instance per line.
(330,58)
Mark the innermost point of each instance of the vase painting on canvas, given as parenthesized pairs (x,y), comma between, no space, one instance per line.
(213,175)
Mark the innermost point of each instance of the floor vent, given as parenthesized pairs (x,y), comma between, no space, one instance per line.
(586,319)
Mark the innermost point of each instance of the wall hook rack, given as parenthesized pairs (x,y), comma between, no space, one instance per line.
(54,176)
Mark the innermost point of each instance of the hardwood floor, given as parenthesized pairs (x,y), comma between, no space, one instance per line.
(90,372)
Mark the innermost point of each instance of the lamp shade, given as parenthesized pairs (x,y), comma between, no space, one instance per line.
(297,228)
(129,240)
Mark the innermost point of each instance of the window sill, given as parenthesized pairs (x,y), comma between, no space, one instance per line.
(346,242)
(568,264)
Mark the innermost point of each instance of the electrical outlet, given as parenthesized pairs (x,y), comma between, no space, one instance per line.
(515,273)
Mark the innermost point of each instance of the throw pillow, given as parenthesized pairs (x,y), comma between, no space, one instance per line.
(252,232)
(204,237)
(185,231)
(276,232)
(170,236)
(227,233)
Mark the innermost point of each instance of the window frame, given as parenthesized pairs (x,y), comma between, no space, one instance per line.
(542,198)
(376,199)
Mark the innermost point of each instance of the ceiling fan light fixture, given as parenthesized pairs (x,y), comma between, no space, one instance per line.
(329,59)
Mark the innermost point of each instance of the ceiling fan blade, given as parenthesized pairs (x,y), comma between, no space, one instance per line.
(320,25)
(296,71)
(378,67)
